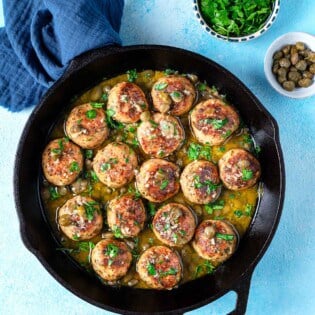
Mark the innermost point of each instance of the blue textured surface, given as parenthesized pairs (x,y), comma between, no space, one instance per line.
(40,39)
(284,280)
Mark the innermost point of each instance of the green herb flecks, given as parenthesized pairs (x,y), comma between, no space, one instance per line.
(226,237)
(164,184)
(206,267)
(60,149)
(236,17)
(169,71)
(196,151)
(171,272)
(238,213)
(210,186)
(247,174)
(135,192)
(216,123)
(53,193)
(117,232)
(74,167)
(97,105)
(90,208)
(112,252)
(248,209)
(108,165)
(151,209)
(218,205)
(91,114)
(111,122)
(132,75)
(151,269)
(88,154)
(201,86)
(160,86)
(104,97)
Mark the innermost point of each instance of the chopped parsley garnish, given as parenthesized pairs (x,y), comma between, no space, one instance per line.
(152,209)
(104,97)
(161,153)
(248,209)
(247,139)
(169,71)
(75,237)
(226,237)
(135,192)
(218,205)
(232,196)
(206,267)
(257,149)
(236,17)
(206,183)
(108,165)
(216,123)
(91,114)
(117,232)
(88,154)
(74,167)
(132,129)
(238,213)
(164,184)
(85,246)
(160,86)
(153,123)
(196,150)
(151,269)
(53,193)
(132,75)
(90,209)
(59,150)
(97,105)
(201,87)
(171,272)
(111,122)
(226,134)
(247,174)
(111,251)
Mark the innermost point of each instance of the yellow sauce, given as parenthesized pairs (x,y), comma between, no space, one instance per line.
(236,207)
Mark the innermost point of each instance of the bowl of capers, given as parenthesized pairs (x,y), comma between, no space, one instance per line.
(290,64)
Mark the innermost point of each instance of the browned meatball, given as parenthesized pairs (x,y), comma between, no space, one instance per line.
(200,182)
(239,169)
(62,162)
(127,101)
(215,240)
(86,126)
(157,180)
(174,224)
(161,135)
(115,164)
(213,121)
(173,94)
(80,218)
(111,259)
(127,214)
(160,267)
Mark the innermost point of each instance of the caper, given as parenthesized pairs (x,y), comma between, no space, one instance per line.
(106,88)
(301,65)
(312,68)
(275,68)
(294,76)
(281,79)
(286,49)
(307,74)
(305,82)
(293,69)
(282,72)
(288,85)
(132,282)
(300,46)
(96,93)
(284,62)
(62,190)
(192,77)
(311,57)
(145,116)
(294,58)
(278,55)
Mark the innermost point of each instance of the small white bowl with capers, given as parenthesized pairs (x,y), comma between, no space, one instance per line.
(290,65)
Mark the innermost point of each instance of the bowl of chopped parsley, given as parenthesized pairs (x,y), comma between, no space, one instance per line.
(236,20)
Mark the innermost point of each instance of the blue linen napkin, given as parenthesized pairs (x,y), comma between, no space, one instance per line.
(41,37)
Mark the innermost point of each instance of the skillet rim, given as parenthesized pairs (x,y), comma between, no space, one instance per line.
(76,65)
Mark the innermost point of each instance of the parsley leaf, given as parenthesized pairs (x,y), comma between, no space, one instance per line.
(247,174)
(132,75)
(151,269)
(90,209)
(91,114)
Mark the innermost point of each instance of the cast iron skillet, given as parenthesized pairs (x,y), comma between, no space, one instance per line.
(84,72)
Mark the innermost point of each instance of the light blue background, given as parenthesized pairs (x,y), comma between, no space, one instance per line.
(284,280)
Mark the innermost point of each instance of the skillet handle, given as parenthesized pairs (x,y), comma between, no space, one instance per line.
(242,291)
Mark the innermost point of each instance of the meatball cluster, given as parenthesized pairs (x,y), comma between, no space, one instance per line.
(137,177)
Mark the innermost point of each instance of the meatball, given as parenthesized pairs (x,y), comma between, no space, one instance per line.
(174,224)
(174,94)
(115,164)
(160,267)
(111,259)
(80,218)
(215,240)
(127,101)
(62,162)
(161,135)
(200,182)
(239,169)
(157,180)
(127,214)
(86,126)
(213,121)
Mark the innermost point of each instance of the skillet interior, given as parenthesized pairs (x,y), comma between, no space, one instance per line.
(84,72)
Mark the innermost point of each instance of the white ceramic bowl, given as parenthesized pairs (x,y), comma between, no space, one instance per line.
(288,39)
(270,20)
